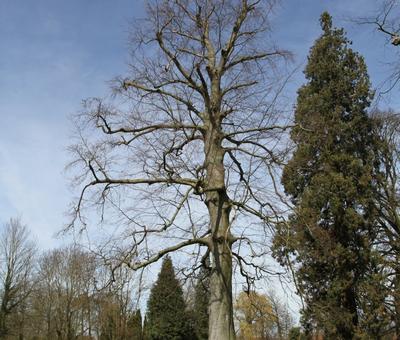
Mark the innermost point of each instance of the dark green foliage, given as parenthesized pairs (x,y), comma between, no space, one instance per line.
(134,325)
(145,329)
(108,328)
(200,308)
(331,179)
(296,334)
(166,310)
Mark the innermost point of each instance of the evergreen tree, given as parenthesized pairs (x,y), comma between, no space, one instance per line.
(135,331)
(296,334)
(166,310)
(331,179)
(201,301)
(145,329)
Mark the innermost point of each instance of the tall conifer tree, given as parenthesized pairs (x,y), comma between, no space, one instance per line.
(331,179)
(167,317)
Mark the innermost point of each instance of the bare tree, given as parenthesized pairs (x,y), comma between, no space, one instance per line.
(388,128)
(72,300)
(387,21)
(17,253)
(283,319)
(64,293)
(183,157)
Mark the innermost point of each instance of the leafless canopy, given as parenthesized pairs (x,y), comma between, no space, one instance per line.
(388,124)
(197,122)
(17,253)
(387,21)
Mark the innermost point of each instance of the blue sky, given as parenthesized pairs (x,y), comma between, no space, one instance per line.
(55,53)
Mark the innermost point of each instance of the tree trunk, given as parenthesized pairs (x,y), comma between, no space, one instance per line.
(221,309)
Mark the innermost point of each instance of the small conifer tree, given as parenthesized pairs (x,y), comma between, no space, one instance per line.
(145,329)
(166,310)
(201,301)
(134,325)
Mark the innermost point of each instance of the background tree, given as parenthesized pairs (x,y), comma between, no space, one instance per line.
(388,128)
(135,331)
(262,316)
(17,252)
(201,302)
(73,298)
(331,179)
(296,333)
(190,138)
(64,293)
(387,21)
(282,317)
(167,316)
(254,315)
(145,329)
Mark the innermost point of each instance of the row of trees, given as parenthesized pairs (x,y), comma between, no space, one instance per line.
(61,294)
(67,294)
